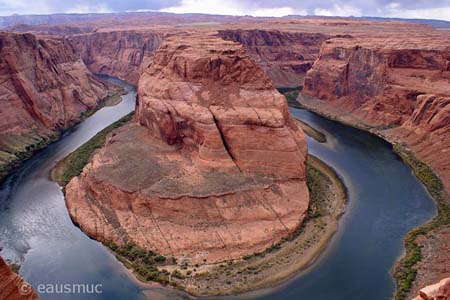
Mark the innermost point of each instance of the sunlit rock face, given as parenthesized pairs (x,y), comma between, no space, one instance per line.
(45,87)
(213,168)
(401,87)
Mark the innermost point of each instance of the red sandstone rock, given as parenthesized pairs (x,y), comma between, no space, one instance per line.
(12,287)
(209,94)
(45,87)
(214,168)
(284,56)
(400,88)
(438,291)
(122,54)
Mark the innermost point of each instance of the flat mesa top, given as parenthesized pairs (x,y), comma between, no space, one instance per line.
(202,45)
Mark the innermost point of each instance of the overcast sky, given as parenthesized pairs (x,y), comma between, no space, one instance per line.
(429,9)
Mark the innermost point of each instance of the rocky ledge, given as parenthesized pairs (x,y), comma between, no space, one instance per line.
(212,169)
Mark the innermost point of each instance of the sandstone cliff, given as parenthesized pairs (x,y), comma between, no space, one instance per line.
(12,287)
(122,53)
(401,89)
(212,169)
(44,88)
(284,56)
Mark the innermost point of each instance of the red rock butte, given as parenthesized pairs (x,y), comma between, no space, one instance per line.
(213,168)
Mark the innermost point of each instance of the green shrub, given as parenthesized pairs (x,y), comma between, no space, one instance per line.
(404,272)
(291,95)
(144,262)
(73,164)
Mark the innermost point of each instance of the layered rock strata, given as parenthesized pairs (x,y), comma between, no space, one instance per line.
(213,168)
(12,287)
(123,53)
(284,56)
(45,87)
(400,89)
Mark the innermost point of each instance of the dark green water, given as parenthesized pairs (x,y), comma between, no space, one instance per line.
(385,201)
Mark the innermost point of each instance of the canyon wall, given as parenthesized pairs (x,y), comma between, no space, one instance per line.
(12,287)
(284,56)
(45,87)
(398,87)
(213,168)
(123,53)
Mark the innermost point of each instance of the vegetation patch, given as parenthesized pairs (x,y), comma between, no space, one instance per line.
(73,164)
(145,263)
(114,97)
(291,95)
(316,181)
(15,267)
(17,149)
(312,132)
(405,272)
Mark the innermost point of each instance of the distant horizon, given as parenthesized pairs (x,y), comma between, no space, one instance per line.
(402,9)
(217,14)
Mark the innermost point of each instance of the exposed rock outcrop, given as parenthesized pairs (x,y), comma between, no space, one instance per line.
(284,56)
(401,89)
(213,168)
(438,291)
(122,53)
(45,87)
(12,287)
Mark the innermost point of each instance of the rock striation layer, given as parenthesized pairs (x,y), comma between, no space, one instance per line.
(45,87)
(123,53)
(213,168)
(402,90)
(284,56)
(12,287)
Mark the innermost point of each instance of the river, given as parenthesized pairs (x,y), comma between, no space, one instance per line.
(385,201)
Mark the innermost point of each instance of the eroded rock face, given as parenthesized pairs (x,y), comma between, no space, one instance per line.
(45,87)
(12,287)
(438,291)
(216,99)
(123,54)
(400,89)
(214,167)
(284,56)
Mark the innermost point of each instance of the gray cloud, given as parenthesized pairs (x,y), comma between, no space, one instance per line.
(439,9)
